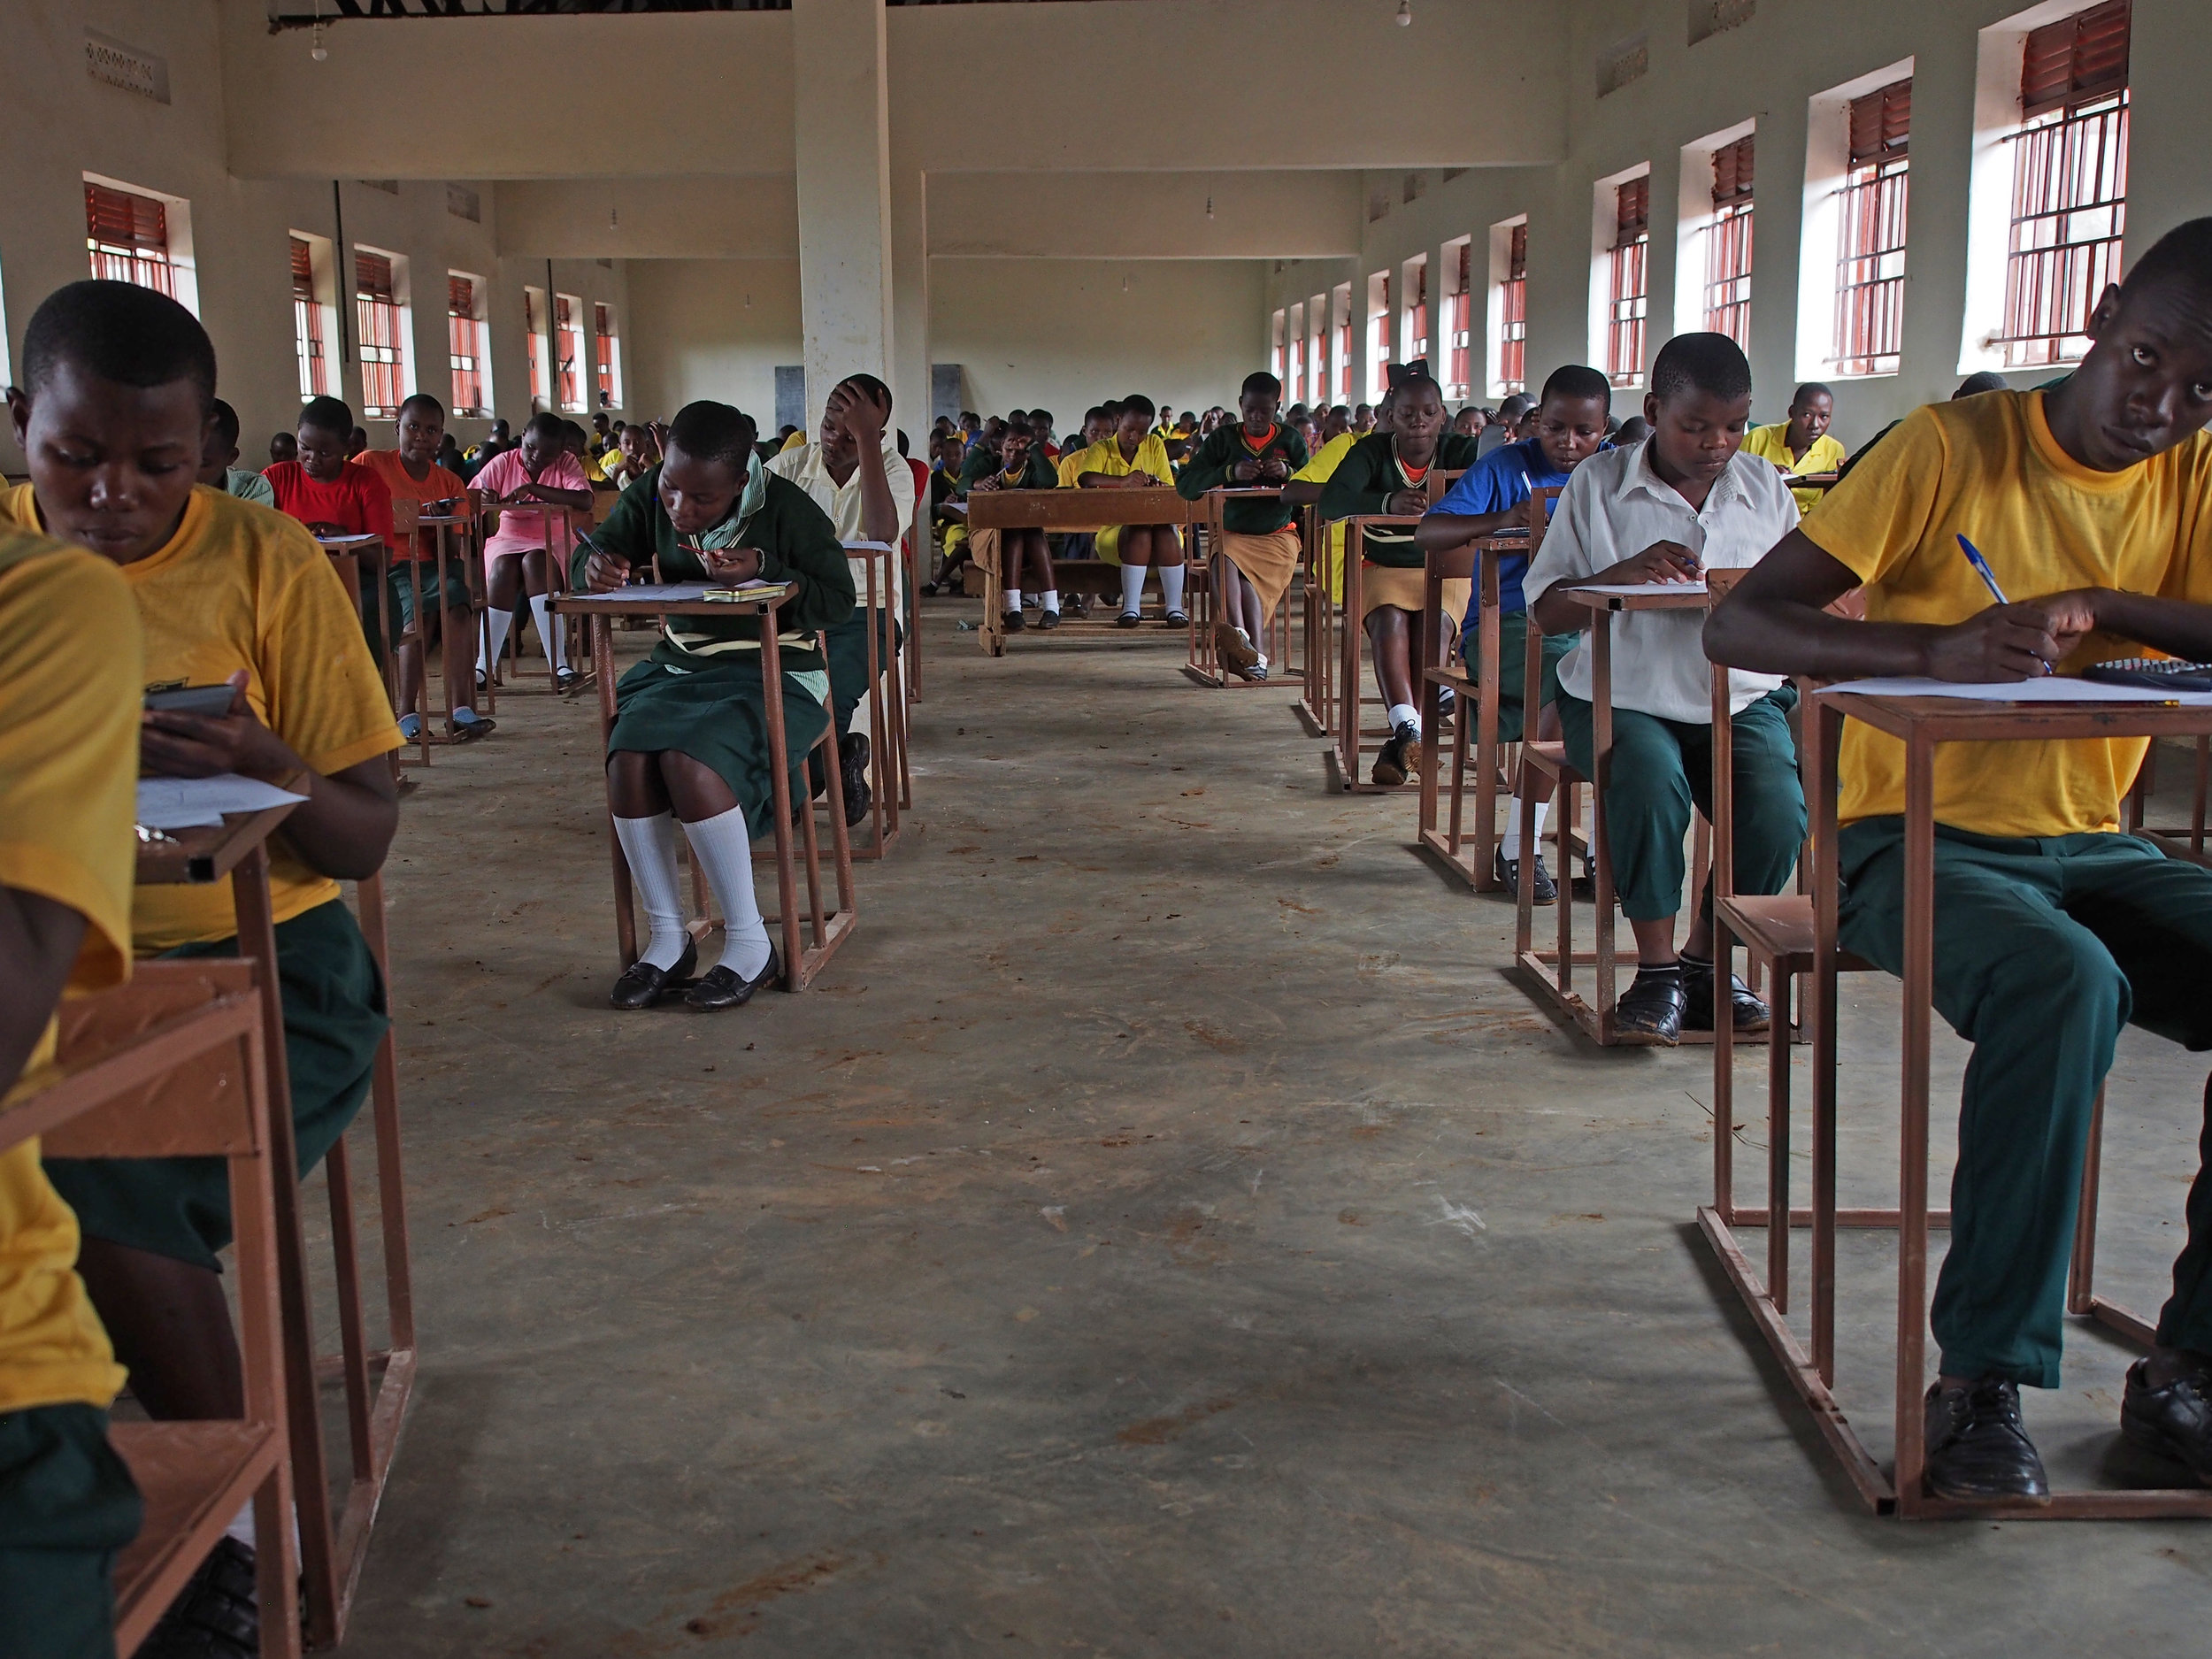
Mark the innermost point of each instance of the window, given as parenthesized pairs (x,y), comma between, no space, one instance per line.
(464,345)
(382,326)
(1275,357)
(568,352)
(1728,244)
(1377,334)
(534,336)
(1316,343)
(1343,304)
(1414,338)
(307,322)
(1512,293)
(1293,349)
(128,236)
(2070,183)
(608,354)
(1871,242)
(1458,320)
(1628,287)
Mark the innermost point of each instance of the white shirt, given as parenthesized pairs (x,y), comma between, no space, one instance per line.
(804,465)
(1614,506)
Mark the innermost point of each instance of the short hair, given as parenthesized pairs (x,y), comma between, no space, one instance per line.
(873,390)
(1985,380)
(1708,362)
(1096,412)
(1411,377)
(425,401)
(1261,380)
(1514,406)
(1635,429)
(119,331)
(327,414)
(225,422)
(1812,389)
(2183,255)
(715,432)
(1578,381)
(1111,410)
(1018,422)
(1138,404)
(547,426)
(1042,417)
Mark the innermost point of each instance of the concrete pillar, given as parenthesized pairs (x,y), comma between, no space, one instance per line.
(841,128)
(910,302)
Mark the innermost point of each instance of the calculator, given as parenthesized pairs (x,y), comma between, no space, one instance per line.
(2163,672)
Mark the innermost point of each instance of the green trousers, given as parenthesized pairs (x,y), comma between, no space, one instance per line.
(2044,949)
(1513,669)
(67,1508)
(1662,768)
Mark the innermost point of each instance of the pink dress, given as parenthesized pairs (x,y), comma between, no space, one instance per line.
(521,530)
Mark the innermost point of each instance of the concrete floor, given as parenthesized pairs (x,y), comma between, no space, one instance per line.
(1166,1230)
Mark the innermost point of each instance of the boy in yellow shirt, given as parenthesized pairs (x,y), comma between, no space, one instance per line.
(1134,457)
(111,412)
(2092,503)
(71,678)
(1801,446)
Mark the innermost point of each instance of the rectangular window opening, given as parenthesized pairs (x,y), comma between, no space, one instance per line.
(126,234)
(568,352)
(307,322)
(607,358)
(1870,246)
(1513,313)
(1628,293)
(464,344)
(382,328)
(1728,244)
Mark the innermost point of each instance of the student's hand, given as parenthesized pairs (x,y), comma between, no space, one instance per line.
(985,484)
(1274,470)
(171,744)
(1409,503)
(861,420)
(730,567)
(2005,643)
(1661,562)
(603,573)
(1245,472)
(324,527)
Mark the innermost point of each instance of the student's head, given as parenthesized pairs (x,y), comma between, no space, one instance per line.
(1570,417)
(1635,429)
(1363,418)
(421,429)
(709,456)
(2145,384)
(1014,439)
(1698,405)
(1982,381)
(1468,421)
(1040,423)
(356,442)
(1336,422)
(118,385)
(449,452)
(1136,419)
(1511,410)
(574,439)
(283,447)
(1097,424)
(326,429)
(1416,411)
(542,441)
(222,451)
(637,443)
(971,422)
(501,433)
(1258,400)
(599,425)
(837,443)
(1812,406)
(1307,433)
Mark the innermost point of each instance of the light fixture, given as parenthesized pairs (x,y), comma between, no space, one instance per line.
(1125,285)
(1405,14)
(315,50)
(1210,207)
(614,219)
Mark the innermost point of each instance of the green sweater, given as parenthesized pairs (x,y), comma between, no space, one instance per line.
(798,544)
(1037,471)
(1364,483)
(1209,467)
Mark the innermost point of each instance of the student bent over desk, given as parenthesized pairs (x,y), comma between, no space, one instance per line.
(690,737)
(518,556)
(1259,550)
(1134,456)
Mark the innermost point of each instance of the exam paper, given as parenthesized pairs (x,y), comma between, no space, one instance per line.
(2052,688)
(1638,589)
(684,593)
(168,803)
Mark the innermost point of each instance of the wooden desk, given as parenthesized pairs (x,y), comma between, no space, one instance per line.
(831,928)
(1342,758)
(1066,511)
(1923,724)
(1203,666)
(446,530)
(1477,720)
(892,789)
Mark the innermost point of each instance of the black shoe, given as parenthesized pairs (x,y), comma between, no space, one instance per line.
(1013,623)
(852,772)
(1081,606)
(1048,619)
(1507,871)
(1977,1446)
(216,1615)
(567,679)
(1650,1011)
(1176,620)
(1257,673)
(1400,759)
(1128,619)
(642,985)
(2174,1422)
(1697,1012)
(719,988)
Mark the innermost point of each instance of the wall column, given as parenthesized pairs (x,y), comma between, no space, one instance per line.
(842,127)
(909,302)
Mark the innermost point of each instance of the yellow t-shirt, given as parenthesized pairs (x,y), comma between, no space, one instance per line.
(1773,443)
(1319,470)
(1987,467)
(71,680)
(1105,456)
(240,586)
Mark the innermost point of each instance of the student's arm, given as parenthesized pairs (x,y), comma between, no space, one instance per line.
(1469,508)
(803,548)
(39,938)
(626,540)
(1353,490)
(575,494)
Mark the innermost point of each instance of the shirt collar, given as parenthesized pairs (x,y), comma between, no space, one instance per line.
(1636,477)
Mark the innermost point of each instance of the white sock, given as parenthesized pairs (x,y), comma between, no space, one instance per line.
(550,631)
(1403,714)
(242,1527)
(1132,589)
(1262,662)
(725,851)
(1049,599)
(1013,601)
(1509,844)
(1171,587)
(488,651)
(649,844)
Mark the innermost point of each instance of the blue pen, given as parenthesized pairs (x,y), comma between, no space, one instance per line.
(1989,579)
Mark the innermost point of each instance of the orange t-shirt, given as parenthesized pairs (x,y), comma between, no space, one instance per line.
(440,486)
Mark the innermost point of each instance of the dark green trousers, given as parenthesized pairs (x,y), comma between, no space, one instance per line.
(67,1508)
(1662,768)
(2044,949)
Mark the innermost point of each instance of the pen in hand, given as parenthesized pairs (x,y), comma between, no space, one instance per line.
(1988,576)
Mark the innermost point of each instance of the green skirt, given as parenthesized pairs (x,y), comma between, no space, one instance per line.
(67,1508)
(1513,669)
(718,715)
(333,1019)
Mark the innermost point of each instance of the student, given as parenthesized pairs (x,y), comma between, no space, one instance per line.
(112,414)
(1016,464)
(1493,494)
(449,455)
(283,447)
(633,455)
(1385,473)
(356,442)
(71,674)
(1099,422)
(219,462)
(690,737)
(1041,430)
(1635,429)
(947,528)
(518,558)
(601,439)
(496,442)
(1252,567)
(2052,929)
(410,473)
(1468,422)
(1802,444)
(867,487)
(1497,434)
(1666,511)
(1363,419)
(1135,457)
(328,494)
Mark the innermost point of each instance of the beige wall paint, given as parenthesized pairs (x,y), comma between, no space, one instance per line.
(749,216)
(1255,215)
(695,336)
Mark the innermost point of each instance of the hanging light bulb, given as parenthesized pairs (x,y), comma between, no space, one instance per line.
(1210,207)
(614,219)
(1125,285)
(1405,14)
(315,50)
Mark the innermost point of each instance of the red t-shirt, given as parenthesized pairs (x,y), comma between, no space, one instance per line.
(357,501)
(440,486)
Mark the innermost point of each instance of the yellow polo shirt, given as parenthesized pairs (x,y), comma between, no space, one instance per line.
(1773,443)
(239,587)
(71,681)
(1989,468)
(1105,456)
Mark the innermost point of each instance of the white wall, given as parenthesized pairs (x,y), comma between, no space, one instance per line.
(714,328)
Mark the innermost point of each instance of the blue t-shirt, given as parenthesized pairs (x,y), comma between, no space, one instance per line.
(1498,481)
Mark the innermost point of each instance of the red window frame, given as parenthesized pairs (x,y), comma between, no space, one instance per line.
(1728,244)
(1513,313)
(1458,311)
(464,346)
(604,351)
(307,324)
(382,330)
(568,352)
(1871,245)
(126,238)
(1629,298)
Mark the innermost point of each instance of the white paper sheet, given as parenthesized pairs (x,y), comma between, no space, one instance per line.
(168,803)
(1638,589)
(2052,688)
(679,593)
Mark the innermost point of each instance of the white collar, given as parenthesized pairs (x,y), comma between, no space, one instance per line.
(1639,476)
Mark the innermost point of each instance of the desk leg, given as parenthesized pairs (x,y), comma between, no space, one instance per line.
(1824,740)
(1601,774)
(624,904)
(1912,1234)
(1489,639)
(779,765)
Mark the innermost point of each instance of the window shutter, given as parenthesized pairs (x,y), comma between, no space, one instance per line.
(2076,60)
(1881,125)
(1517,268)
(460,296)
(122,218)
(303,272)
(601,324)
(372,276)
(1632,213)
(1466,264)
(1731,174)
